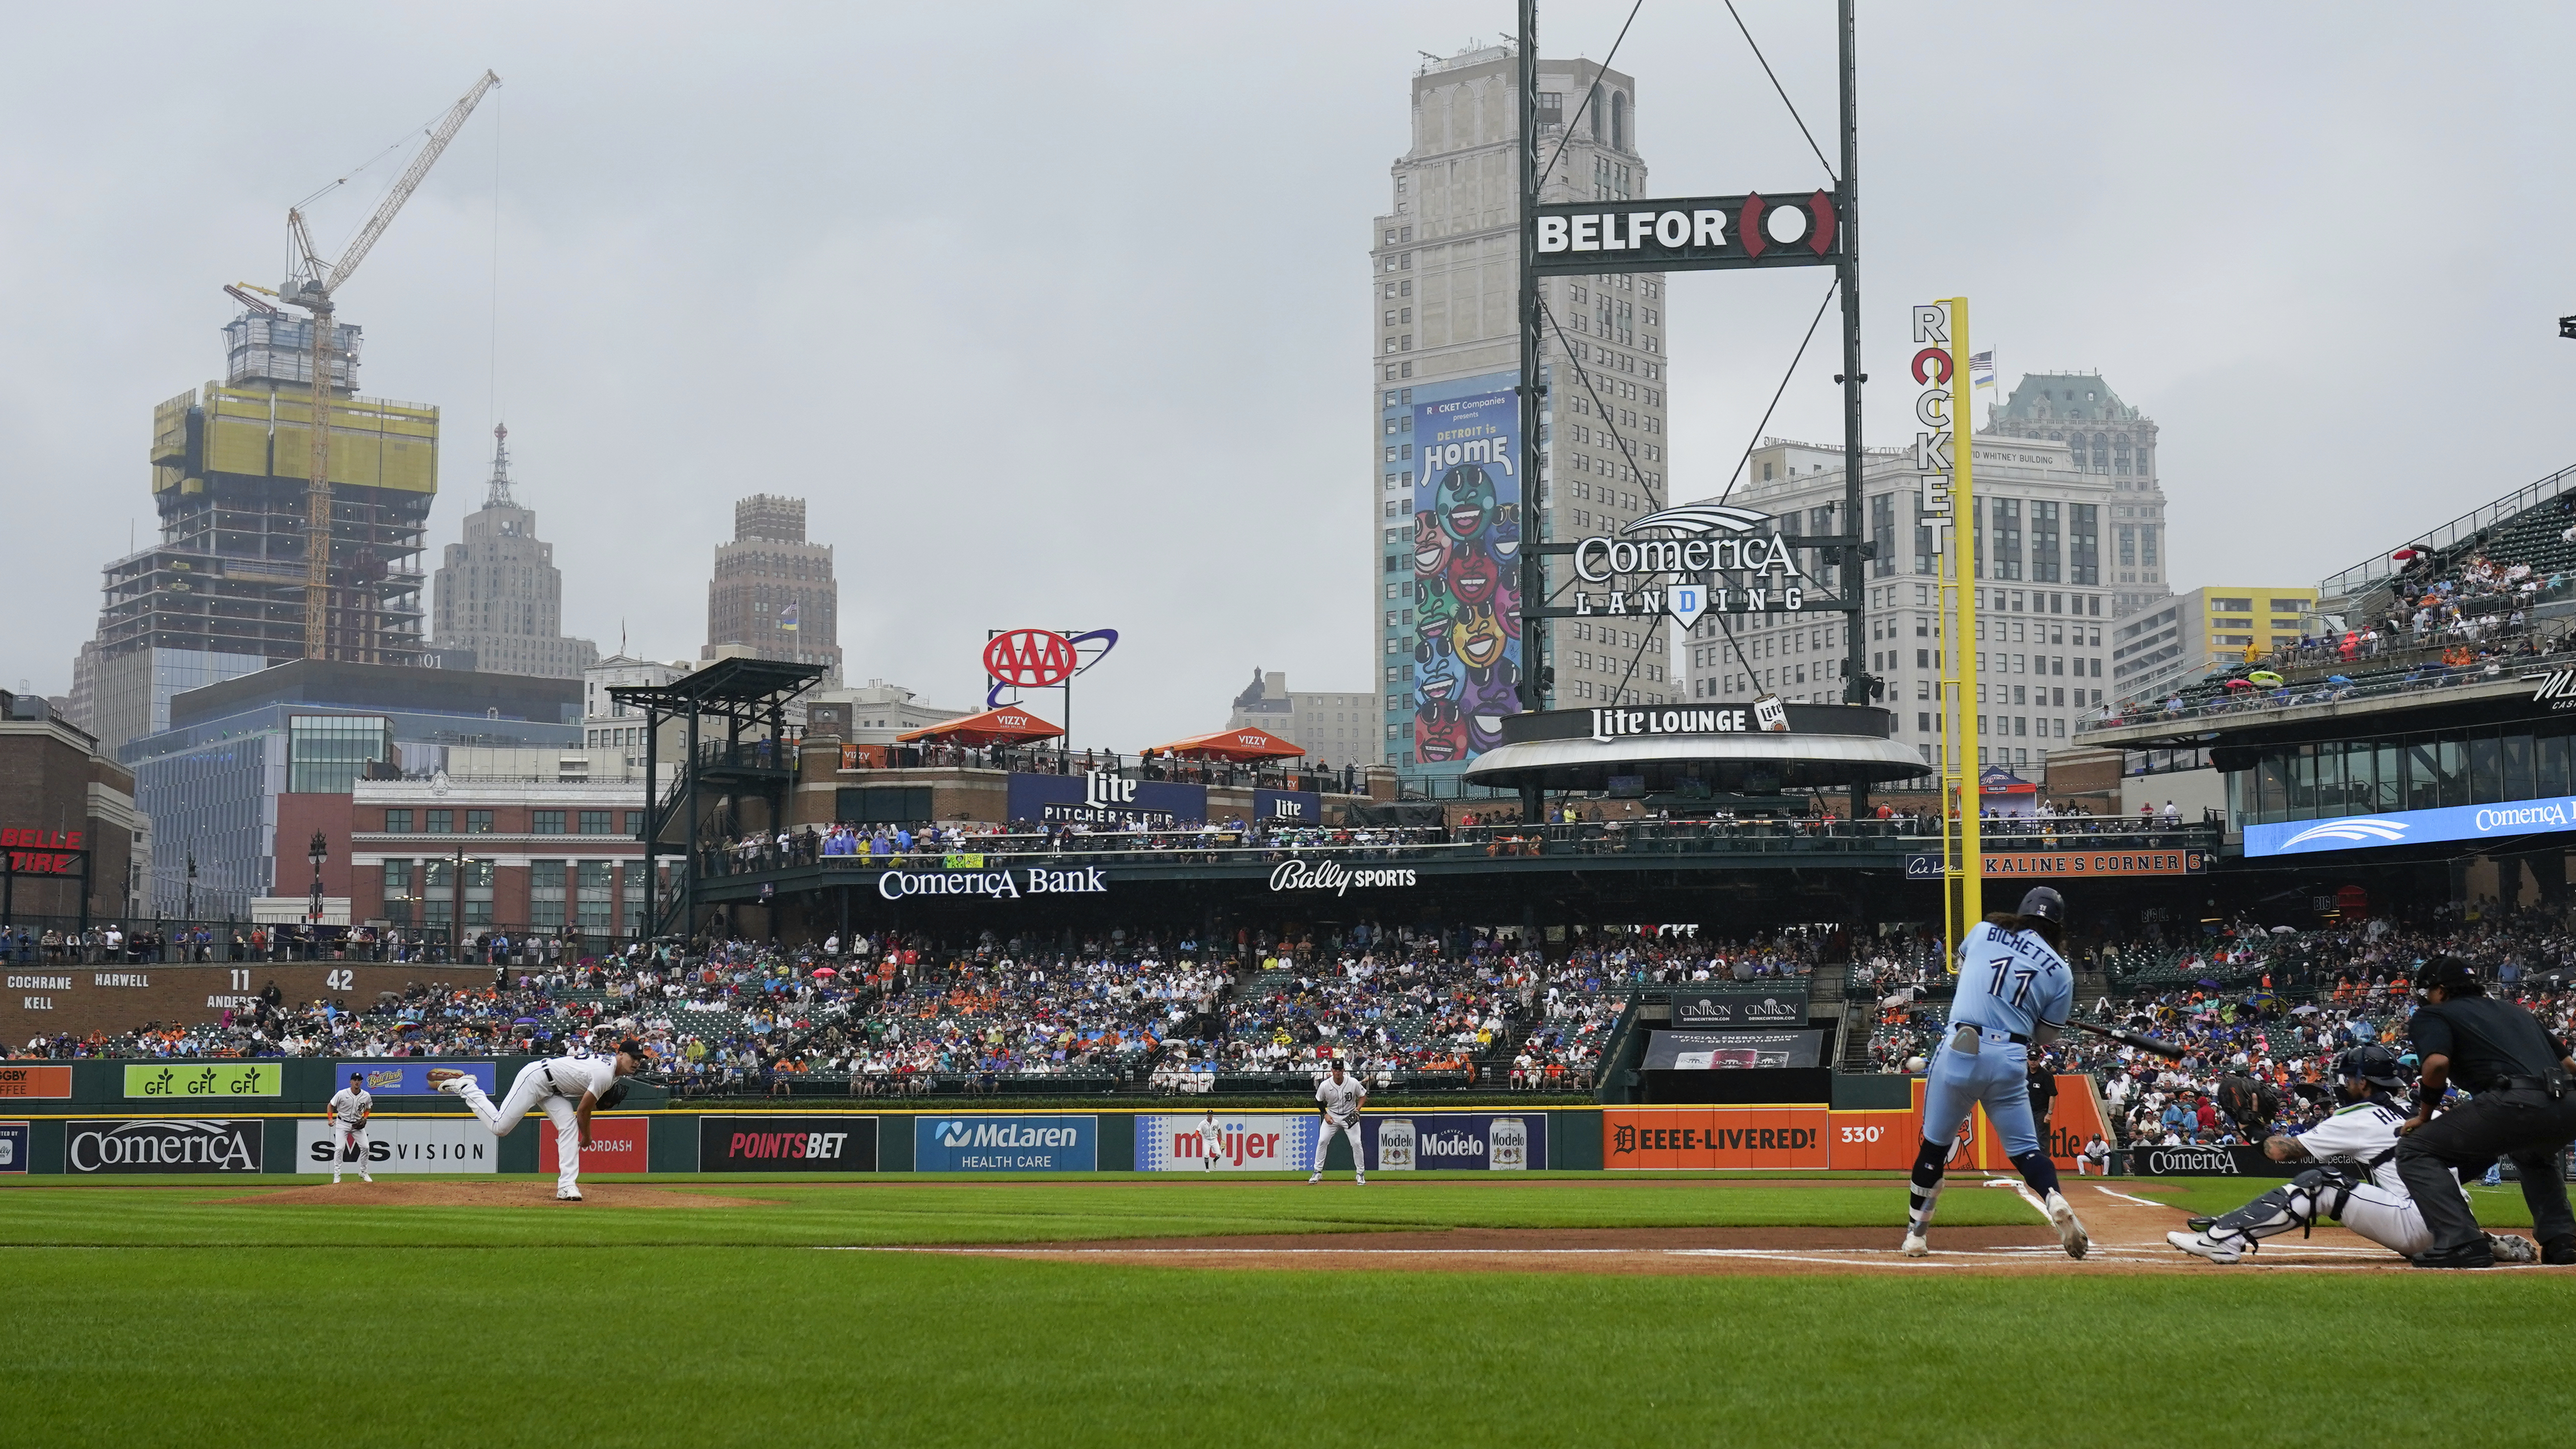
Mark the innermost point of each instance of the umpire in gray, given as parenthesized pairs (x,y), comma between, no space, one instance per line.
(2524,1109)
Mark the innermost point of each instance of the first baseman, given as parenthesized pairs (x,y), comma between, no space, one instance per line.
(347,1114)
(2355,1181)
(1342,1096)
(565,1088)
(2014,990)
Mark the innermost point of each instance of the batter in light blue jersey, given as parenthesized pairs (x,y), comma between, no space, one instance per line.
(2015,991)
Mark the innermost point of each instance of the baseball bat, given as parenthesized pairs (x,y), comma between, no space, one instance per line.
(2161,1048)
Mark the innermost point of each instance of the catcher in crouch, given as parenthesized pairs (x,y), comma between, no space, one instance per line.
(2354,1182)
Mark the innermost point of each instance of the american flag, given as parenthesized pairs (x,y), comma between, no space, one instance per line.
(1981,369)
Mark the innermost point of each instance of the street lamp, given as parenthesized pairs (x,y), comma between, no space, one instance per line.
(318,852)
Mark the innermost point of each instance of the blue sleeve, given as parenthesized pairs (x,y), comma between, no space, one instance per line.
(2060,1002)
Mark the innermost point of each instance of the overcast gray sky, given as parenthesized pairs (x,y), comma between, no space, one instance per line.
(1060,315)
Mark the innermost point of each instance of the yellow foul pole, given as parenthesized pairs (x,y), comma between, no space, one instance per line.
(1940,362)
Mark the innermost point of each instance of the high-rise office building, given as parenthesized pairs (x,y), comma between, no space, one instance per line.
(2109,439)
(1448,508)
(222,593)
(2043,602)
(499,595)
(1333,729)
(773,595)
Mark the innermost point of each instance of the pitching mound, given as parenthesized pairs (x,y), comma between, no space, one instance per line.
(491,1194)
(2128,1236)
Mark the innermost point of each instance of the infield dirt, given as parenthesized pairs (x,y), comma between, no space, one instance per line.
(2128,1236)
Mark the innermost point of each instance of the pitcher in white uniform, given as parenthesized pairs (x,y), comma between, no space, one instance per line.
(1341,1096)
(565,1088)
(347,1113)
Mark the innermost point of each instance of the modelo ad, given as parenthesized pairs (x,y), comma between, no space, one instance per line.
(409,1077)
(1243,1142)
(162,1145)
(777,1142)
(1456,1142)
(1005,1144)
(402,1144)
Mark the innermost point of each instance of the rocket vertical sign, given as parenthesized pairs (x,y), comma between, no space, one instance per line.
(1936,408)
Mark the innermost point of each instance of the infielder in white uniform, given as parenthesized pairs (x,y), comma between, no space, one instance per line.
(1211,1141)
(565,1088)
(2357,1185)
(347,1114)
(1342,1097)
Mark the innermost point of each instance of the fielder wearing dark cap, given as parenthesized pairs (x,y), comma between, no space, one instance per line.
(2525,1109)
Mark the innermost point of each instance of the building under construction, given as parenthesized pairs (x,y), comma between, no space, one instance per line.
(225,590)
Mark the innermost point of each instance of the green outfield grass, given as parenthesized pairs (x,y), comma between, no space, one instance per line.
(214,1324)
(906,1210)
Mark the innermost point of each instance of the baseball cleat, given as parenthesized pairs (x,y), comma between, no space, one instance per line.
(1360,1179)
(570,1194)
(449,1080)
(2202,1245)
(1318,1177)
(2510,1248)
(1916,1245)
(2070,1229)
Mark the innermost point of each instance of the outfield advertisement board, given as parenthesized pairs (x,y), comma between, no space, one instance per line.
(617,1144)
(204,1079)
(162,1144)
(780,1142)
(1245,1142)
(1005,1144)
(27,1081)
(1456,1142)
(13,1146)
(1715,1137)
(402,1144)
(409,1076)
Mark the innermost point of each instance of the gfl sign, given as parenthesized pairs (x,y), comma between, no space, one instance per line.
(1099,787)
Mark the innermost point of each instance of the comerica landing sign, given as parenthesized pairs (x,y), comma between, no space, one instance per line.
(1721,560)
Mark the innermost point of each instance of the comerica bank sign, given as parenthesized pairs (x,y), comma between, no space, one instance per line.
(2501,821)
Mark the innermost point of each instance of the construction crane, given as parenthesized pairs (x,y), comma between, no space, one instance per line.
(313,284)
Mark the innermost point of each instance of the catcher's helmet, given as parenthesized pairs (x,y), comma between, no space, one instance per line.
(2376,1065)
(2045,903)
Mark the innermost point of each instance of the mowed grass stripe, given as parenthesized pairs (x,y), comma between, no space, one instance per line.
(720,1346)
(913,1214)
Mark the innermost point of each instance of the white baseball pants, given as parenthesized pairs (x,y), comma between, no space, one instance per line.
(1351,1133)
(2389,1219)
(342,1134)
(528,1090)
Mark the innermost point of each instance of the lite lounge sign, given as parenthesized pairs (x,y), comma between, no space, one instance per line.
(1764,716)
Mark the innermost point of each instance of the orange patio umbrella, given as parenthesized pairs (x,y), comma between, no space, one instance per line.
(1241,744)
(1008,725)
